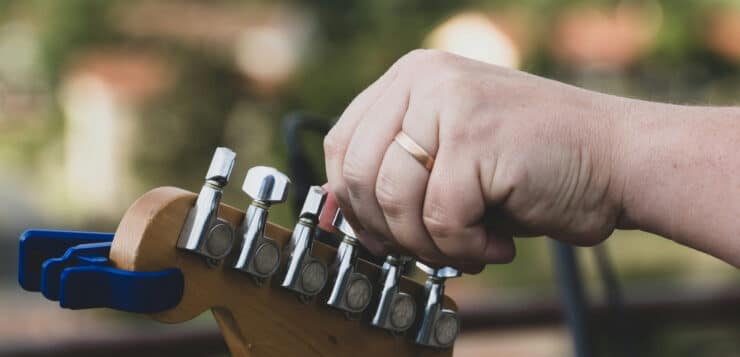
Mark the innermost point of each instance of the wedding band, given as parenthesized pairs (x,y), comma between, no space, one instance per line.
(415,150)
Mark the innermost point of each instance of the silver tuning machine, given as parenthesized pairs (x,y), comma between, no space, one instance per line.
(305,274)
(396,310)
(439,327)
(352,291)
(259,256)
(203,232)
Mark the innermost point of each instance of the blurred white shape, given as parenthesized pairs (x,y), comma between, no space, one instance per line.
(270,51)
(94,128)
(267,54)
(475,36)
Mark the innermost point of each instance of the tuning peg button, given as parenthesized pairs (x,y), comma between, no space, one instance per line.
(221,166)
(439,327)
(203,232)
(259,256)
(352,291)
(305,274)
(396,310)
(266,184)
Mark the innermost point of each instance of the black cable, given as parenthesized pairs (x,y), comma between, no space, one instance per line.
(619,325)
(303,172)
(300,168)
(574,298)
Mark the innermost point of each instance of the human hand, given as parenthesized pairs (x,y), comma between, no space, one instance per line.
(515,155)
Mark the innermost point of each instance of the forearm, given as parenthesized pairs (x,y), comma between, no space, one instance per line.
(681,175)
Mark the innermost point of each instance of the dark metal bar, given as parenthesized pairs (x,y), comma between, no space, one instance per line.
(659,306)
(204,342)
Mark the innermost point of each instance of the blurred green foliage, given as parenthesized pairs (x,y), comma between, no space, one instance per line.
(352,43)
(210,102)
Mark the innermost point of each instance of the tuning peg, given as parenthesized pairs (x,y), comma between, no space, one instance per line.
(266,184)
(352,290)
(439,327)
(259,255)
(341,224)
(440,273)
(203,232)
(305,274)
(396,310)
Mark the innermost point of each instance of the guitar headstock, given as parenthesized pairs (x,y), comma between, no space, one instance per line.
(258,310)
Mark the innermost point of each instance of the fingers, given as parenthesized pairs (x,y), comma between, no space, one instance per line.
(330,210)
(391,199)
(337,140)
(471,268)
(454,209)
(362,162)
(327,217)
(401,185)
(499,249)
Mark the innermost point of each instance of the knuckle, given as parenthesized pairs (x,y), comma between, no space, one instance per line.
(436,214)
(417,57)
(434,55)
(457,254)
(340,194)
(457,85)
(457,136)
(389,199)
(339,189)
(470,247)
(376,248)
(381,251)
(332,145)
(435,223)
(420,247)
(413,244)
(414,56)
(354,174)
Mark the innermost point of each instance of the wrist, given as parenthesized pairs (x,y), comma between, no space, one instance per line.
(656,162)
(639,129)
(619,123)
(679,167)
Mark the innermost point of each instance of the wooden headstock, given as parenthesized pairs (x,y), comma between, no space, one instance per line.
(255,320)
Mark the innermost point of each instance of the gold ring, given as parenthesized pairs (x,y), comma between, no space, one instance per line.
(415,150)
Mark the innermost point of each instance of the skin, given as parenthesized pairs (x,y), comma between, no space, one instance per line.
(519,155)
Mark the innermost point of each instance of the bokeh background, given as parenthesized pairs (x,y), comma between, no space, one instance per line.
(102,100)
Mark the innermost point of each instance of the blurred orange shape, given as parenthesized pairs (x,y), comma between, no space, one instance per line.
(607,38)
(723,32)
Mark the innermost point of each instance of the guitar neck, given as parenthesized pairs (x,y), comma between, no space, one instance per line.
(255,319)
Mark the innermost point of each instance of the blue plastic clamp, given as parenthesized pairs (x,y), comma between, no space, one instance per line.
(39,245)
(73,267)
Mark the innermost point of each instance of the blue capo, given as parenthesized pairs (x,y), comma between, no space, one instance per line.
(73,268)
